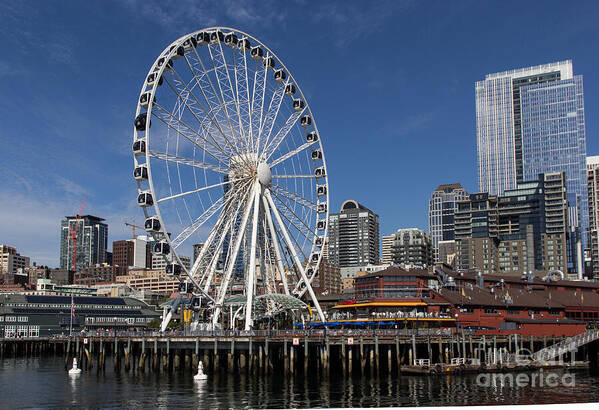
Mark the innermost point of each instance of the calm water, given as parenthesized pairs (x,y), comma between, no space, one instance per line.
(43,383)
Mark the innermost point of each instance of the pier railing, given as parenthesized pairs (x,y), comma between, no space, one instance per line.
(273,333)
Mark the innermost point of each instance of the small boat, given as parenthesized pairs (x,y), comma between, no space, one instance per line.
(75,369)
(200,375)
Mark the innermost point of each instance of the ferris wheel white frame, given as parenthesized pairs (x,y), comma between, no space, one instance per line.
(235,155)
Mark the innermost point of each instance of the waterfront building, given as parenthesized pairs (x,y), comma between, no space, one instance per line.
(520,232)
(412,247)
(92,241)
(447,253)
(482,304)
(328,279)
(36,272)
(354,236)
(93,275)
(29,315)
(132,253)
(159,262)
(11,261)
(62,276)
(593,232)
(531,121)
(155,280)
(441,209)
(387,251)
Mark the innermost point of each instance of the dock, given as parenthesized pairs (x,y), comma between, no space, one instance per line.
(296,351)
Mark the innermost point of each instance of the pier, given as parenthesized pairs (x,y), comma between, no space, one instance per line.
(307,352)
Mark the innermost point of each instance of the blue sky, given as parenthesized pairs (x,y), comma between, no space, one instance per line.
(391,84)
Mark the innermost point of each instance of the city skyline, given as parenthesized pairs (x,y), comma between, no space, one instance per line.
(49,167)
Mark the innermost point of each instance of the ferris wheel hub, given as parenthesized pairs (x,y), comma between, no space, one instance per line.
(264,174)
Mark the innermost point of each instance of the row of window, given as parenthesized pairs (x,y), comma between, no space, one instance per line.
(14,318)
(11,331)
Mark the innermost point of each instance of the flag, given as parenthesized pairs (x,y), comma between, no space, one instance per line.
(463,292)
(310,310)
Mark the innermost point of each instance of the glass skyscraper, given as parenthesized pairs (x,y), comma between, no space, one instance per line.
(531,121)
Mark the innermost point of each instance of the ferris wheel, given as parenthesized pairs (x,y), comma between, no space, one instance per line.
(228,158)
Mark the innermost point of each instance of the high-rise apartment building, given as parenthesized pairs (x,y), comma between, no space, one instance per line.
(593,232)
(531,121)
(524,230)
(387,252)
(11,261)
(441,210)
(92,241)
(413,247)
(353,236)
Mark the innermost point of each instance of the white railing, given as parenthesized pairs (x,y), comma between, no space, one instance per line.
(568,345)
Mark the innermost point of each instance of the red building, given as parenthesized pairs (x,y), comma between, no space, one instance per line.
(487,305)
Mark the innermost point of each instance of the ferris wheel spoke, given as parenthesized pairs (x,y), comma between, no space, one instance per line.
(275,244)
(207,87)
(252,267)
(243,80)
(186,161)
(188,231)
(271,116)
(235,96)
(193,191)
(226,218)
(227,277)
(289,154)
(294,254)
(306,230)
(242,97)
(292,176)
(258,94)
(169,122)
(272,146)
(294,197)
(188,92)
(219,66)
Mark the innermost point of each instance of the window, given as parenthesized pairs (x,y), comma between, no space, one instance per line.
(491,311)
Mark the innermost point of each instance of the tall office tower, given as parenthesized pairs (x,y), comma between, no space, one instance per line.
(353,236)
(387,253)
(593,233)
(92,240)
(441,210)
(531,121)
(522,231)
(412,246)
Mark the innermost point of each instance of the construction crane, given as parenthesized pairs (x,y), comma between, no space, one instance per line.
(133,226)
(73,235)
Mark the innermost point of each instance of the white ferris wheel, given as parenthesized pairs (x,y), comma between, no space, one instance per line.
(227,154)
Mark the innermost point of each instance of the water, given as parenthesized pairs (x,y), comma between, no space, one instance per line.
(44,383)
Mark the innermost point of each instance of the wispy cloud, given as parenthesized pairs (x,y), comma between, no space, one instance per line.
(192,14)
(56,45)
(351,20)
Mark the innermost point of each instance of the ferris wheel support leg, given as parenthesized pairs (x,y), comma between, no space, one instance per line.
(252,270)
(166,319)
(276,244)
(294,254)
(227,278)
